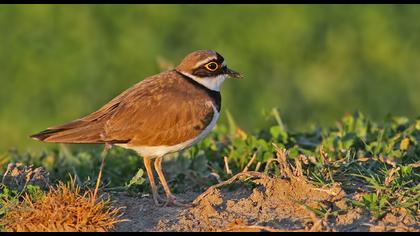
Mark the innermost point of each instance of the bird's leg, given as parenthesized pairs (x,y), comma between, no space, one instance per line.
(170,197)
(148,165)
(158,168)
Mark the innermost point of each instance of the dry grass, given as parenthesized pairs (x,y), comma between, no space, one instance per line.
(63,208)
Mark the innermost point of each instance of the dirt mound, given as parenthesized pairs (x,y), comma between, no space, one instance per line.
(260,203)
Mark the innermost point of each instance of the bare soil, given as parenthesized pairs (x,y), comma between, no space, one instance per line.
(260,204)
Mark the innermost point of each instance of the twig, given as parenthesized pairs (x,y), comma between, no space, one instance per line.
(228,171)
(250,162)
(414,165)
(297,170)
(98,180)
(229,181)
(214,174)
(257,168)
(281,154)
(267,165)
(323,155)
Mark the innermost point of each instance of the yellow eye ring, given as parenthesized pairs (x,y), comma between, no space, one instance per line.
(212,66)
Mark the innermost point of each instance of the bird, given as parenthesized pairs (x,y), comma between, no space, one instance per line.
(162,114)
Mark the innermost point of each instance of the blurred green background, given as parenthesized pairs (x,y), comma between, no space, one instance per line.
(313,62)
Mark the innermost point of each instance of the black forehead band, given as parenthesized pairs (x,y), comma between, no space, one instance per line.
(219,58)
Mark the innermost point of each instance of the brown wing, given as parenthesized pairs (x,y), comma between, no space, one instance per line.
(168,112)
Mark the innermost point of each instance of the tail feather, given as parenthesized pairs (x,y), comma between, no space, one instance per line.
(88,129)
(72,133)
(41,136)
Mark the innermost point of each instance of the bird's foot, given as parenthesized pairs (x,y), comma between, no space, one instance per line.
(171,201)
(159,201)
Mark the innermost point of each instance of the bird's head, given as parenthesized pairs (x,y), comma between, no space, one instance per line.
(206,67)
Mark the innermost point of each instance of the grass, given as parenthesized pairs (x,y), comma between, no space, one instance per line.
(62,208)
(378,161)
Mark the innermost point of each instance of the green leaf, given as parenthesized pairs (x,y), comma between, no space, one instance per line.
(137,179)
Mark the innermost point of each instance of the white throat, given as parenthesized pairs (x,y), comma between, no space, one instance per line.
(212,83)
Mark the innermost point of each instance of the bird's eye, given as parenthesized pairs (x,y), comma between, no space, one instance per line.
(211,66)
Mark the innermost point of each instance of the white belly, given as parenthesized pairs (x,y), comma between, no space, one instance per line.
(158,151)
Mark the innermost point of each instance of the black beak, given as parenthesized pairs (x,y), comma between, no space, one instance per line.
(232,73)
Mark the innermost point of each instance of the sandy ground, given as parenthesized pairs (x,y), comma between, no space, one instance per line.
(259,204)
(250,201)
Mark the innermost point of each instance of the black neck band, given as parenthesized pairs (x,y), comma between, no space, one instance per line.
(215,95)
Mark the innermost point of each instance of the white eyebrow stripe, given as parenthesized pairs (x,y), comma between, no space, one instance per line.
(204,61)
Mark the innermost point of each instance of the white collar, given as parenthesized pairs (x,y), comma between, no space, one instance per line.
(212,83)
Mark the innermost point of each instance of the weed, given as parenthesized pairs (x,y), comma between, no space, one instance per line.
(63,208)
